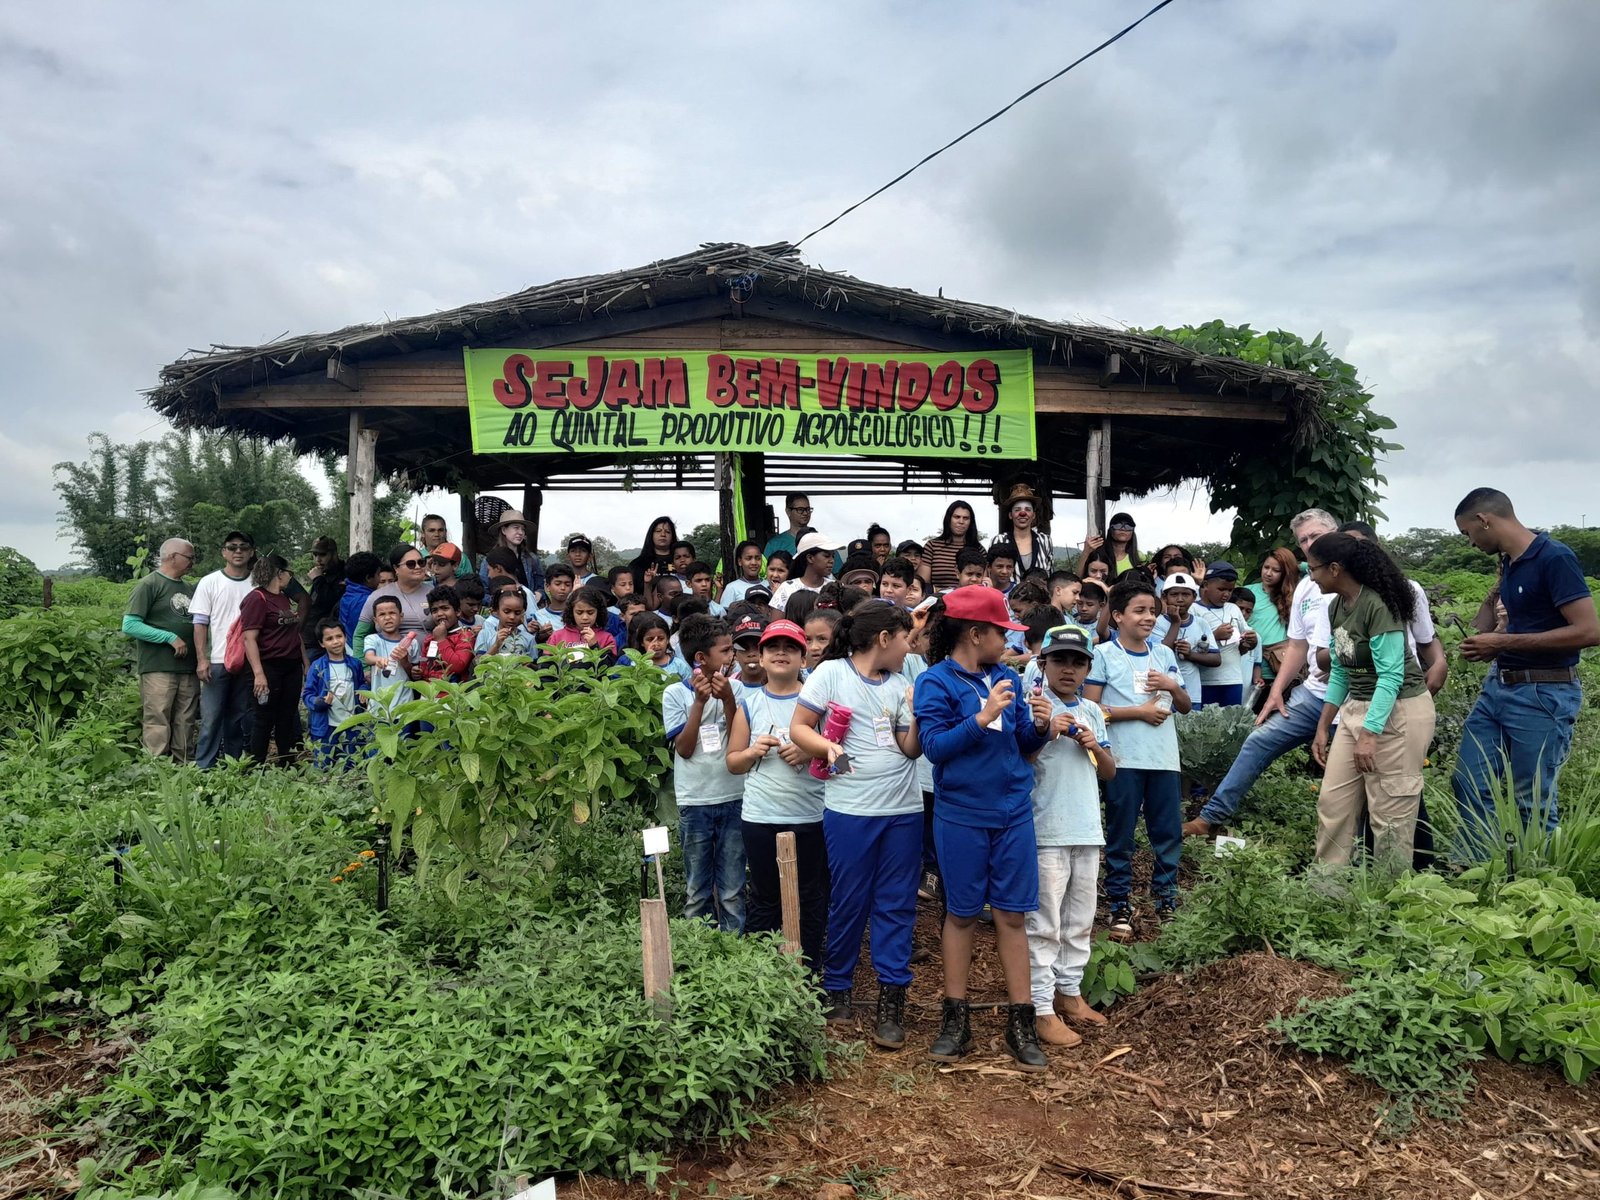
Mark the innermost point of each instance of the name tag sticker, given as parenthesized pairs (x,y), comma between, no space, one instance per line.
(710,739)
(883,731)
(998,724)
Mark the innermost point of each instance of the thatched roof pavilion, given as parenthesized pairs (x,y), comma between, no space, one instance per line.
(398,390)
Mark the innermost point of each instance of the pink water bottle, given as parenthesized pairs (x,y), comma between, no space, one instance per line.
(834,726)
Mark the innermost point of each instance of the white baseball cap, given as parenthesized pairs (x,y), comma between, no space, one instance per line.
(813,541)
(1180,579)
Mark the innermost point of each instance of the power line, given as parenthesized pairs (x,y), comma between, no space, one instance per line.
(1118,36)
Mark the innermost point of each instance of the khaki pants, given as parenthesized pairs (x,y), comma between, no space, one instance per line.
(1390,794)
(171,712)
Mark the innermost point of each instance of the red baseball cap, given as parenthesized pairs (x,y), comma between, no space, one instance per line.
(784,629)
(978,603)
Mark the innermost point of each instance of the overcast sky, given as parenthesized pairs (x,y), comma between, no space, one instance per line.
(1417,181)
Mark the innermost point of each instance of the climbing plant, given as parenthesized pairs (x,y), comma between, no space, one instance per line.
(1332,460)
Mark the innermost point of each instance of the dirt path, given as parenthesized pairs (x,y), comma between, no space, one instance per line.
(1184,1093)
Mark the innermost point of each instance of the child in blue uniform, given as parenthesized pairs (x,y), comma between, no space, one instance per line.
(979,729)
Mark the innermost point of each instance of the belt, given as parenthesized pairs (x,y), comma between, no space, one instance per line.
(1540,675)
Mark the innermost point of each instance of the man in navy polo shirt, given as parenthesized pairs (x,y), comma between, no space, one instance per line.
(1530,700)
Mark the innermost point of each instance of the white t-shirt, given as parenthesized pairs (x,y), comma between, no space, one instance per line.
(915,665)
(390,686)
(786,589)
(703,777)
(1420,631)
(1229,671)
(1066,789)
(1197,633)
(774,792)
(217,598)
(341,683)
(1138,746)
(1308,623)
(884,781)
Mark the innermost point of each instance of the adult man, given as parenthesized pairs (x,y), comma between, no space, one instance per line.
(435,532)
(227,709)
(797,506)
(1524,716)
(158,621)
(1281,726)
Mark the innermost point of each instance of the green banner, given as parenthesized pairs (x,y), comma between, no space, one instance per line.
(598,400)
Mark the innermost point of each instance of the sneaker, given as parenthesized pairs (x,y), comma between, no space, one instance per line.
(1121,920)
(1199,827)
(1166,908)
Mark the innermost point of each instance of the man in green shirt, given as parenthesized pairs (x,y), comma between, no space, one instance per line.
(158,622)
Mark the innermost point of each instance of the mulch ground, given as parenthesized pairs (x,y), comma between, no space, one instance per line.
(1184,1093)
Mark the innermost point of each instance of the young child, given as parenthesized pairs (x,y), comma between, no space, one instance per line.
(505,630)
(1067,773)
(916,663)
(1003,567)
(872,818)
(447,645)
(330,695)
(972,567)
(701,579)
(779,567)
(1249,659)
(442,561)
(1091,609)
(895,580)
(581,624)
(747,555)
(697,713)
(667,589)
(551,615)
(1064,588)
(649,640)
(1136,682)
(1186,635)
(819,628)
(385,578)
(683,556)
(916,591)
(629,607)
(1223,683)
(470,592)
(361,576)
(979,729)
(747,633)
(389,656)
(780,794)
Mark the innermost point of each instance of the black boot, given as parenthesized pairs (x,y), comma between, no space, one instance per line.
(891,1030)
(1022,1038)
(955,1032)
(836,1007)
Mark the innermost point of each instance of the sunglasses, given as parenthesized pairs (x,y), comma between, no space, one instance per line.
(411,562)
(1120,525)
(235,547)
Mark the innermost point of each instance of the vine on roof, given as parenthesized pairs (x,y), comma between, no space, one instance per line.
(1331,461)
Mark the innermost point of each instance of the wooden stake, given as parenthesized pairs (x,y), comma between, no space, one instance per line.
(1094,484)
(789,892)
(657,943)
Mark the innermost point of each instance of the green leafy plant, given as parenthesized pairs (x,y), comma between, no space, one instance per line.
(1114,968)
(50,662)
(1209,739)
(20,583)
(516,756)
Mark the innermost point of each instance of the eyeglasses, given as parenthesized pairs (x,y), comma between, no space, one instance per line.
(189,554)
(411,562)
(800,508)
(235,547)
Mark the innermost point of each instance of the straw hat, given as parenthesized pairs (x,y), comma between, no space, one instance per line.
(1021,491)
(511,517)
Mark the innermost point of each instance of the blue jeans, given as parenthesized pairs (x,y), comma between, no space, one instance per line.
(1159,795)
(227,715)
(713,862)
(1525,728)
(1267,743)
(875,864)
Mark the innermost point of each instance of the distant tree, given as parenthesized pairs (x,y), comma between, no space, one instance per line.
(606,554)
(213,483)
(1416,548)
(111,505)
(707,541)
(390,524)
(1585,544)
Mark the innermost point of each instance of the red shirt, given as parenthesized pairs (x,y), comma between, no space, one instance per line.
(277,620)
(449,657)
(567,636)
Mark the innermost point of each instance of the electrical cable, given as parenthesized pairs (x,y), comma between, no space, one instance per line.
(992,117)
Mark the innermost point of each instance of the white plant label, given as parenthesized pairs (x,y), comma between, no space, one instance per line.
(545,1189)
(655,842)
(1227,845)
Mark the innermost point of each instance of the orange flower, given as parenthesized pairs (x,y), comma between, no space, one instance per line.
(337,879)
(355,866)
(369,854)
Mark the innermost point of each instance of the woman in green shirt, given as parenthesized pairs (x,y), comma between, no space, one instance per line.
(1385,711)
(1280,573)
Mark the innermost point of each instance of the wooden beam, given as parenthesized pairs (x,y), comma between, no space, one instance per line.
(1104,473)
(362,478)
(1131,403)
(345,374)
(1112,370)
(1093,484)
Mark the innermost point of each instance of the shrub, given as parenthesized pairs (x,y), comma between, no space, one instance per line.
(20,583)
(51,660)
(1209,740)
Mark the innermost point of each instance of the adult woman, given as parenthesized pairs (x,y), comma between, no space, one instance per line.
(411,585)
(1376,689)
(656,557)
(880,543)
(512,531)
(1119,549)
(959,532)
(1023,529)
(271,630)
(1280,574)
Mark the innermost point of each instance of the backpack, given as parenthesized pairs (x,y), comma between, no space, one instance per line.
(233,659)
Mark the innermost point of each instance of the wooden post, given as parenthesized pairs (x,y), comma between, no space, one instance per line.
(724,476)
(1105,469)
(1093,485)
(468,539)
(789,892)
(361,479)
(753,486)
(657,950)
(532,507)
(49,592)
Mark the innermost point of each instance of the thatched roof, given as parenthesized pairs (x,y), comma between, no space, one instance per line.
(767,278)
